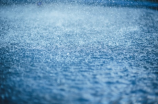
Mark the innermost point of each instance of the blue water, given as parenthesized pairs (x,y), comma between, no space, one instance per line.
(78,54)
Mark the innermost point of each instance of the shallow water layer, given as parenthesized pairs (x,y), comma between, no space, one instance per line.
(78,54)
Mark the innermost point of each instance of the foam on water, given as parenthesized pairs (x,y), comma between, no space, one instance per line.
(69,53)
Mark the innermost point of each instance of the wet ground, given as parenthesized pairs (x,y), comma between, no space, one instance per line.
(78,54)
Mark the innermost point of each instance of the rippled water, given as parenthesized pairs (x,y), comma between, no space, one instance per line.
(78,54)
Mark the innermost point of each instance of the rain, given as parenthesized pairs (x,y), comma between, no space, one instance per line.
(78,52)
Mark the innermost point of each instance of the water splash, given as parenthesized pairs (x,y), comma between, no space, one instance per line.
(78,54)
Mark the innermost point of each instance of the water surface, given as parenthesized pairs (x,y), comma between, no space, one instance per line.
(78,54)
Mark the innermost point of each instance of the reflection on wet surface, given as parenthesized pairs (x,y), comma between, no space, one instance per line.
(78,54)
